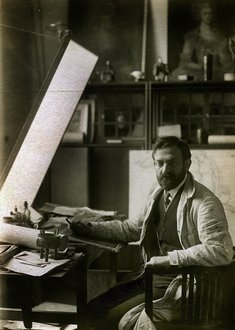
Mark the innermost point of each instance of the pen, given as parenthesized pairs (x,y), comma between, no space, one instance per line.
(33,264)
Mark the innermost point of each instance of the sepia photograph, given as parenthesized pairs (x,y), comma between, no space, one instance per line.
(117,176)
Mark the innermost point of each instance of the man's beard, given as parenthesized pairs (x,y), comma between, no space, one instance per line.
(170,181)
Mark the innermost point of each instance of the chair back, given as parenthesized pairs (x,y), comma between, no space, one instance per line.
(207,295)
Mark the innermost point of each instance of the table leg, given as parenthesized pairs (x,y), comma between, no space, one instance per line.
(112,269)
(27,317)
(81,291)
(29,291)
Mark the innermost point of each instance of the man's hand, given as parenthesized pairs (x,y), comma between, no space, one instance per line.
(158,261)
(80,228)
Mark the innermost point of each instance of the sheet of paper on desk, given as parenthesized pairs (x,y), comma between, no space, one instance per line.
(29,262)
(70,211)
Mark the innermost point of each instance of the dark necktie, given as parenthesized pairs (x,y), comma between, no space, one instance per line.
(167,199)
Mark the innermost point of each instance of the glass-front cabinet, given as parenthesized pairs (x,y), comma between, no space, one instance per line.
(203,110)
(120,114)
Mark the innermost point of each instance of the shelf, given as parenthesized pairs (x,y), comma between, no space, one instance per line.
(228,86)
(118,87)
(212,146)
(133,144)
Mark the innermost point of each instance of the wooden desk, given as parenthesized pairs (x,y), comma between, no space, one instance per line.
(113,249)
(75,271)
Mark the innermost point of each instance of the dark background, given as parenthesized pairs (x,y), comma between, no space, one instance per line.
(112,30)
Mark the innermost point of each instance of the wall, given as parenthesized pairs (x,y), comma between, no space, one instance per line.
(158,36)
(26,57)
(114,31)
(17,78)
(28,45)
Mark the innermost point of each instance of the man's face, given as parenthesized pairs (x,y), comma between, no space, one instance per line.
(170,167)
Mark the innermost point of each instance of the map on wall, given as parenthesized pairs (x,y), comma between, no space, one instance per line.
(213,168)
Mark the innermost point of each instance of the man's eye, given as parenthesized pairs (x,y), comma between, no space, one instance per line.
(157,163)
(173,163)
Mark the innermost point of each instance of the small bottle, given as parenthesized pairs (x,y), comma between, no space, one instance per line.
(17,214)
(27,212)
(121,120)
(202,136)
(208,66)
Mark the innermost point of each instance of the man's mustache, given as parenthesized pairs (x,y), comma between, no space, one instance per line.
(167,176)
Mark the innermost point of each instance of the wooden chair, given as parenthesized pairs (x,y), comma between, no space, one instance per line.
(211,305)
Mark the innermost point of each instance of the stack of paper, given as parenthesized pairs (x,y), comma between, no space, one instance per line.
(29,262)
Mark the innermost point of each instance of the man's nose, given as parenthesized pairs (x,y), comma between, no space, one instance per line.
(165,168)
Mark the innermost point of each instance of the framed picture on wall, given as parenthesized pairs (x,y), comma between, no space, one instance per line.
(81,127)
(195,29)
(77,129)
(113,30)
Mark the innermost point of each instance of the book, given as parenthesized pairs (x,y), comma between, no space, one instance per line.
(7,251)
(73,137)
(174,130)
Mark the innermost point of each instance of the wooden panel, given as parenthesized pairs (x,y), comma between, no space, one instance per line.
(69,177)
(109,170)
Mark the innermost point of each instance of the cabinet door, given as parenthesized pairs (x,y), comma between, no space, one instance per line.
(69,177)
(188,109)
(120,112)
(196,107)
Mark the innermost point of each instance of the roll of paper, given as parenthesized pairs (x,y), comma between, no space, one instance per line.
(229,76)
(221,139)
(23,236)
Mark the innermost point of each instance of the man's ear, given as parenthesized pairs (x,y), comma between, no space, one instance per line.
(187,164)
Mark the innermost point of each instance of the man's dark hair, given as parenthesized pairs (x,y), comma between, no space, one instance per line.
(169,141)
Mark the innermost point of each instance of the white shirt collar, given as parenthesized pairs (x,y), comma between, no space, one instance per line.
(174,191)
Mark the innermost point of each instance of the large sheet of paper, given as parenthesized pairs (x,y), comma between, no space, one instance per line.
(213,168)
(48,126)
